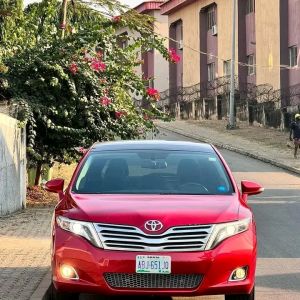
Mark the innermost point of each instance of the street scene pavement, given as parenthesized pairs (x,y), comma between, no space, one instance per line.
(25,250)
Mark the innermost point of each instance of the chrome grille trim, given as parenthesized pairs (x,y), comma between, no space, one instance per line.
(153,281)
(179,238)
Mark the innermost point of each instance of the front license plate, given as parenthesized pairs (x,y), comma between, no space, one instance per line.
(153,264)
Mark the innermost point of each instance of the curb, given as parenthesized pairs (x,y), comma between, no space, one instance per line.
(41,290)
(231,148)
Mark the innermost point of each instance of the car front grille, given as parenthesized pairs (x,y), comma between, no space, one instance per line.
(153,281)
(175,239)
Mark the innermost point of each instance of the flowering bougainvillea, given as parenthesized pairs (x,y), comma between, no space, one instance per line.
(73,92)
(82,150)
(105,101)
(173,56)
(119,114)
(116,19)
(98,65)
(73,68)
(153,93)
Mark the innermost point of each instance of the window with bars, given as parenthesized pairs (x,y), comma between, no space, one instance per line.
(211,72)
(227,68)
(251,64)
(293,56)
(123,40)
(211,18)
(250,6)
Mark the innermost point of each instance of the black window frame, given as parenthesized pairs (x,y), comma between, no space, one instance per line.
(213,77)
(227,67)
(251,64)
(211,17)
(250,7)
(293,56)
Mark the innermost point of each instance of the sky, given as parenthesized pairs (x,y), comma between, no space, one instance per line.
(131,3)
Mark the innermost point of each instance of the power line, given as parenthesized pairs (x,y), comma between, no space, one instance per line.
(224,60)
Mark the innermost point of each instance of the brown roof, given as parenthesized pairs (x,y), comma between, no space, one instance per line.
(170,6)
(148,6)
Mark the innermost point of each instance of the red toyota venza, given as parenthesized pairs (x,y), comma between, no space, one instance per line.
(153,218)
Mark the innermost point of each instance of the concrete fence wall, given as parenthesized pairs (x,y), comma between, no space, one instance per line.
(12,166)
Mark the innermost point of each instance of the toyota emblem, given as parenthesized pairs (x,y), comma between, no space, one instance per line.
(153,225)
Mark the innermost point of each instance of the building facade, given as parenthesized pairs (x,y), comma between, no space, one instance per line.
(267,52)
(154,66)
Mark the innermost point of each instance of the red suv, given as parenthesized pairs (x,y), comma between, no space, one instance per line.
(153,218)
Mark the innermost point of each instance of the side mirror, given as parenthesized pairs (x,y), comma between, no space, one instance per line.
(250,188)
(55,186)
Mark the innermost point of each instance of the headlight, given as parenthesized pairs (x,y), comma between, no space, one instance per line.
(226,230)
(83,229)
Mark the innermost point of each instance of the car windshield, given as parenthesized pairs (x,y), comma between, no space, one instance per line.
(153,172)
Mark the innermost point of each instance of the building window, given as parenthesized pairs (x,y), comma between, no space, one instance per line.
(123,40)
(211,72)
(250,8)
(293,56)
(211,18)
(227,67)
(251,64)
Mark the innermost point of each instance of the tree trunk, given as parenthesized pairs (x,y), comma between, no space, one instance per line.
(64,18)
(38,173)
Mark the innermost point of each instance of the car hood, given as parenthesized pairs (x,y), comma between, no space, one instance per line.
(171,210)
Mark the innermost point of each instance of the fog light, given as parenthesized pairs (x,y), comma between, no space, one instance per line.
(238,274)
(68,272)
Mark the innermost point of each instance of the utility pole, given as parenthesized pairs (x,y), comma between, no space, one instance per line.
(64,18)
(232,124)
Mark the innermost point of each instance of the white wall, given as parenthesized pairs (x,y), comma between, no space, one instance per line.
(161,65)
(133,35)
(12,166)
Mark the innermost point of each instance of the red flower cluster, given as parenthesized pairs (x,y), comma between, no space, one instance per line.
(73,68)
(116,19)
(82,150)
(120,114)
(98,65)
(153,93)
(105,101)
(173,56)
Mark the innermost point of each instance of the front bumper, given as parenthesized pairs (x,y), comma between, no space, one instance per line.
(215,266)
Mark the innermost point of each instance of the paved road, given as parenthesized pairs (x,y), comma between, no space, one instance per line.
(277,212)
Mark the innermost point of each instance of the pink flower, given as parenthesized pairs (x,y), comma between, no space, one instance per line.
(116,19)
(82,150)
(120,114)
(73,68)
(153,93)
(62,25)
(98,65)
(105,101)
(173,56)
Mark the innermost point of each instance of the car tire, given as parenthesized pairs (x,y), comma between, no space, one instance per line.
(56,295)
(250,296)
